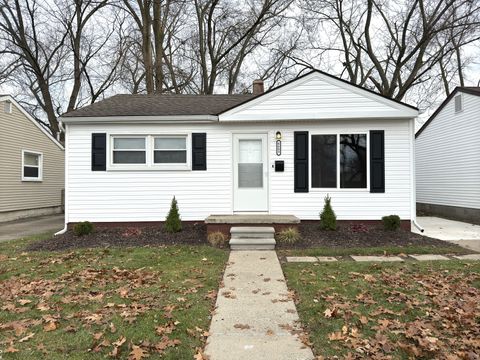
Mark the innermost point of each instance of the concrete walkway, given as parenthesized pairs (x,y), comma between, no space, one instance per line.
(457,232)
(255,316)
(27,227)
(379,258)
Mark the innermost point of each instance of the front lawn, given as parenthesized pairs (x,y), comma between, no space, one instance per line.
(389,311)
(107,302)
(444,249)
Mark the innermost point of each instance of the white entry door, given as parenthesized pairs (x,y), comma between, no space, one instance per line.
(250,172)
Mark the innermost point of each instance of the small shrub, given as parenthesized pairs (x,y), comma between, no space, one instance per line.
(173,223)
(217,239)
(328,219)
(83,228)
(289,236)
(391,222)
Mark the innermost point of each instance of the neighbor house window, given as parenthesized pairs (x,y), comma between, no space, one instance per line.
(170,150)
(7,107)
(32,164)
(129,150)
(458,103)
(339,161)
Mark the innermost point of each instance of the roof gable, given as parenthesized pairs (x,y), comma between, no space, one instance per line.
(30,118)
(318,95)
(466,89)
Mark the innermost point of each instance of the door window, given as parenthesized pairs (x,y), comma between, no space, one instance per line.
(250,163)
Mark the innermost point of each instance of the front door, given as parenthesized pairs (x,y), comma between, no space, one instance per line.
(250,172)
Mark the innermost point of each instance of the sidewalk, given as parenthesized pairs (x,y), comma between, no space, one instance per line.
(255,316)
(27,227)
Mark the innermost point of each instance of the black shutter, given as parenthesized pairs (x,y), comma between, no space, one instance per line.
(377,161)
(199,151)
(99,152)
(300,143)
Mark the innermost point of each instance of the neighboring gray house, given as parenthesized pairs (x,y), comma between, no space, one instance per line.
(448,158)
(31,165)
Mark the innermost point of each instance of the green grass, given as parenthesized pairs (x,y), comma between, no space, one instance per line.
(406,294)
(136,289)
(380,250)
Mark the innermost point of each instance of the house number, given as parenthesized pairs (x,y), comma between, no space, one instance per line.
(279,147)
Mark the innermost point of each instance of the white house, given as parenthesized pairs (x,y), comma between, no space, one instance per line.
(448,158)
(278,152)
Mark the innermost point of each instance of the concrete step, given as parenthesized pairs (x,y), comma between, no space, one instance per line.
(252,244)
(252,238)
(252,232)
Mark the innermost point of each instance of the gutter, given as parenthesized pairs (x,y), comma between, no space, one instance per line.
(65,225)
(174,119)
(414,222)
(413,182)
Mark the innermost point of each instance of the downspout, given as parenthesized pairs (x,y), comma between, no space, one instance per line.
(65,225)
(414,180)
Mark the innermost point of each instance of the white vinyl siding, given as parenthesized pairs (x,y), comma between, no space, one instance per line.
(318,96)
(448,156)
(136,195)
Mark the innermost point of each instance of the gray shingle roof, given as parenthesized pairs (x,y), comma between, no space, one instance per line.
(160,105)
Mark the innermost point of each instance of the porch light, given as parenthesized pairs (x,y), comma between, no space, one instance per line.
(278,135)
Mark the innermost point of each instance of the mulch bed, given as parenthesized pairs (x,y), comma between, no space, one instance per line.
(358,235)
(346,236)
(191,234)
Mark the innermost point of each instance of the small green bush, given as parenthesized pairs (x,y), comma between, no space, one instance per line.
(391,222)
(217,239)
(328,219)
(83,228)
(173,223)
(289,236)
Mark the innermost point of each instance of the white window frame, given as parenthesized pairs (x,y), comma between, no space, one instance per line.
(149,156)
(171,166)
(40,166)
(337,134)
(127,166)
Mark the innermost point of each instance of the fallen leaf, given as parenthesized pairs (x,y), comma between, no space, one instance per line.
(50,326)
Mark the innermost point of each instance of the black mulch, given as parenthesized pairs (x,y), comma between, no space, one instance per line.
(359,235)
(346,236)
(191,234)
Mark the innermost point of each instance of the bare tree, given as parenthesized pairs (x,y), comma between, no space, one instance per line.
(227,32)
(393,47)
(50,47)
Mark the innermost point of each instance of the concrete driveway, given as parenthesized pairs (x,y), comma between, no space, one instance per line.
(463,234)
(27,227)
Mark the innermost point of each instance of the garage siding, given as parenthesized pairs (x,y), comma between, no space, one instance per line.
(448,157)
